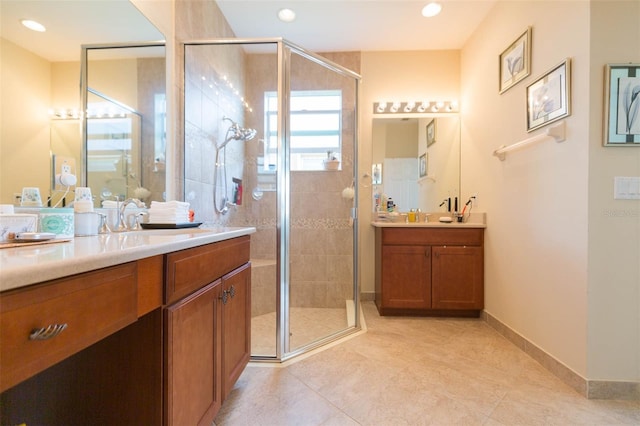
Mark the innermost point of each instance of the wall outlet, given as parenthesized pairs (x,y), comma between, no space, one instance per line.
(62,165)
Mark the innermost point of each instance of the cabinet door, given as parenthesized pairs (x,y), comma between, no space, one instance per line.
(457,277)
(406,277)
(193,391)
(236,323)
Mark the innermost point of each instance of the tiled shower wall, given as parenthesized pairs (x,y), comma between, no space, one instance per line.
(321,244)
(213,85)
(151,81)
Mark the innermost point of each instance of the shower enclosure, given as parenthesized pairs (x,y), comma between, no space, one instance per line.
(271,142)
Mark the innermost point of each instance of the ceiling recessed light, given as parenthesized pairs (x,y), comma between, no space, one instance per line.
(33,25)
(286,15)
(432,9)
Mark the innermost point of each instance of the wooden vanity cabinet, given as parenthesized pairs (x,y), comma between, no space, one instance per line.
(148,342)
(193,363)
(429,271)
(236,324)
(207,328)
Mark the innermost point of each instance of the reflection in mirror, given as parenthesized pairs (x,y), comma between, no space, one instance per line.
(40,81)
(417,176)
(125,129)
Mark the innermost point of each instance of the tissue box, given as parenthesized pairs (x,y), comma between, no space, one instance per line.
(60,221)
(11,224)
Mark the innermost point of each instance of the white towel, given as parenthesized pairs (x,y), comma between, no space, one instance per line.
(170,204)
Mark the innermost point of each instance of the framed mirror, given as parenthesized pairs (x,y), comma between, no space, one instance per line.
(419,157)
(40,90)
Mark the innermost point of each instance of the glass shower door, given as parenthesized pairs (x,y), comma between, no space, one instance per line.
(321,130)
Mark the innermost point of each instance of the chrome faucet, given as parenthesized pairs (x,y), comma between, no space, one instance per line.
(122,225)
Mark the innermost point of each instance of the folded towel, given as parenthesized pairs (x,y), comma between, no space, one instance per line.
(170,204)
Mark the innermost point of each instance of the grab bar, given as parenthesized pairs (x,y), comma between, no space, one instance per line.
(557,132)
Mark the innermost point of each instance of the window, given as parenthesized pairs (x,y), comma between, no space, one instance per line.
(315,125)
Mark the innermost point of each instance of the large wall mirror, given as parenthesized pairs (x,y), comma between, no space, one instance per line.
(41,97)
(416,159)
(124,128)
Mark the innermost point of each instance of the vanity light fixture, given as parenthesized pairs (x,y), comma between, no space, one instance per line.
(409,106)
(415,107)
(431,10)
(286,15)
(33,25)
(64,114)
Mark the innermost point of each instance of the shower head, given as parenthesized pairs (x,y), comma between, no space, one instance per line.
(235,132)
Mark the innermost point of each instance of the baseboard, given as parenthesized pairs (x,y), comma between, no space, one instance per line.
(592,389)
(601,389)
(367,296)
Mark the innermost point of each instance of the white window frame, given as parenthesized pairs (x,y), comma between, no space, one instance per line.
(301,158)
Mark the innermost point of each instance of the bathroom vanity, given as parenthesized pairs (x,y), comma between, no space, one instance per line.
(147,327)
(429,268)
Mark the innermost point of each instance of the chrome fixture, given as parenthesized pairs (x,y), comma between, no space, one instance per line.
(234,132)
(122,223)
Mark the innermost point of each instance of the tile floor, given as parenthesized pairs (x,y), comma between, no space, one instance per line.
(307,325)
(416,371)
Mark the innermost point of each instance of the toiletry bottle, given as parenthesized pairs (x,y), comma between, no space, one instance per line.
(390,205)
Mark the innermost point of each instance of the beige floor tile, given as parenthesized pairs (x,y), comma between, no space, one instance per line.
(416,371)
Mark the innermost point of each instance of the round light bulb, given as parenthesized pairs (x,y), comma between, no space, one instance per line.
(286,15)
(431,10)
(33,25)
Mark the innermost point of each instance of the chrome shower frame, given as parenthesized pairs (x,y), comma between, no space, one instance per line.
(283,197)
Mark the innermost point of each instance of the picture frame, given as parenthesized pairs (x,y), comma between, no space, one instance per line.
(515,61)
(621,105)
(549,97)
(431,132)
(422,165)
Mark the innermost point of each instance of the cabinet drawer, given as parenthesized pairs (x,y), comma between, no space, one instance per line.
(93,305)
(430,236)
(191,269)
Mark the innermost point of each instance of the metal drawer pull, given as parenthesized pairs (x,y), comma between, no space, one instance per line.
(48,332)
(232,291)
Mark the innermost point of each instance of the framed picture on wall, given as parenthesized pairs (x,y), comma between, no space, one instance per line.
(549,97)
(422,165)
(431,132)
(515,61)
(622,105)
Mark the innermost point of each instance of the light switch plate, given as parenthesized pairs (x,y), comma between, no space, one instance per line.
(626,188)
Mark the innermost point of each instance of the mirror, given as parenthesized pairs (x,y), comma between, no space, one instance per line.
(125,122)
(414,175)
(41,80)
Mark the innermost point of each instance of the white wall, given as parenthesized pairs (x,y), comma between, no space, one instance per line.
(536,201)
(613,338)
(560,270)
(24,121)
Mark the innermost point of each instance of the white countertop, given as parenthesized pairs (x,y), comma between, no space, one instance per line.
(434,224)
(472,220)
(21,266)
